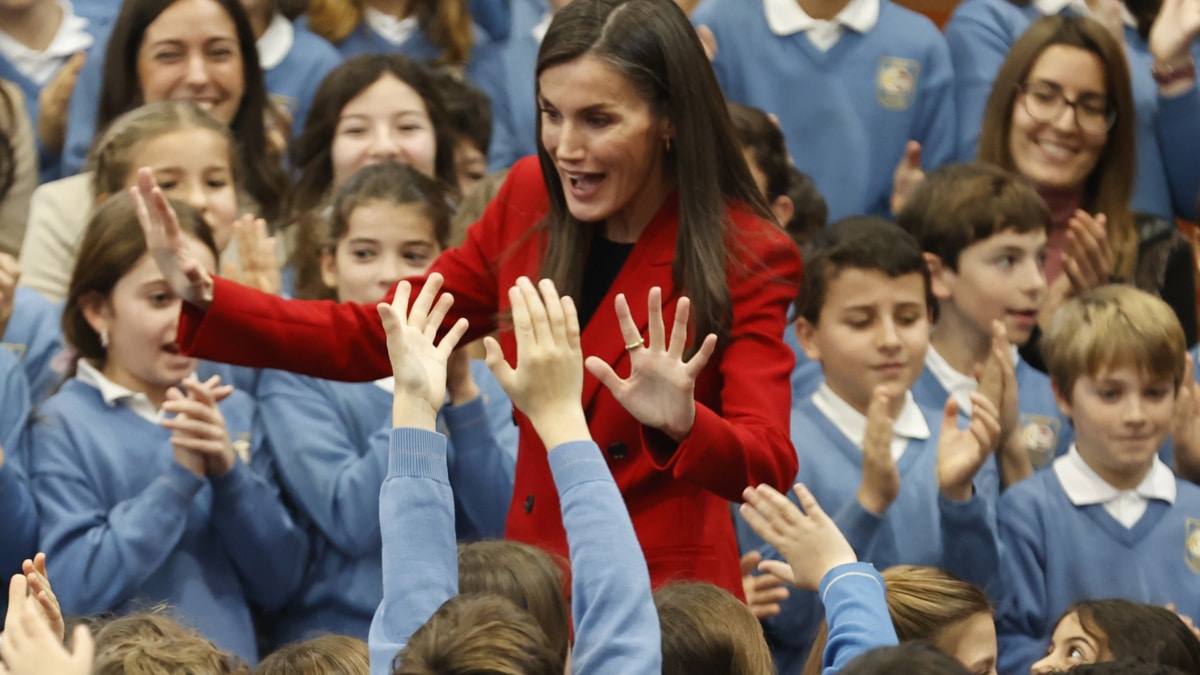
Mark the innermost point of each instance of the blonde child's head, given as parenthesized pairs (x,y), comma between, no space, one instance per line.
(154,644)
(325,655)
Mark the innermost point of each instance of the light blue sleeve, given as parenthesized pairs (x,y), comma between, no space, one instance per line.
(979,35)
(1178,126)
(420,556)
(83,109)
(937,110)
(36,326)
(269,550)
(855,599)
(99,556)
(333,481)
(1021,621)
(18,534)
(616,623)
(484,461)
(970,544)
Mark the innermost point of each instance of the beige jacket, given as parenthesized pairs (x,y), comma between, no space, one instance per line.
(14,209)
(58,215)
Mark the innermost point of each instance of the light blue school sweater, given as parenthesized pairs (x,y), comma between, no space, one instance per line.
(18,527)
(519,139)
(912,531)
(980,33)
(484,69)
(843,126)
(1047,432)
(330,440)
(293,82)
(34,336)
(1056,553)
(855,600)
(124,526)
(612,609)
(493,16)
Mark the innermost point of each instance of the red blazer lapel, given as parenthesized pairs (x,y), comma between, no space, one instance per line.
(648,265)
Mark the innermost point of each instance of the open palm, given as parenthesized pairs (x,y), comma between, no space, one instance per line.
(418,360)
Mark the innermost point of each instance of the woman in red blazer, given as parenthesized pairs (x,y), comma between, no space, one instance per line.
(639,185)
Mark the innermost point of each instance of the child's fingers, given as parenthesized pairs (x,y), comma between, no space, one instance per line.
(436,317)
(202,446)
(400,301)
(571,317)
(950,416)
(808,503)
(522,321)
(84,647)
(539,319)
(452,337)
(749,562)
(779,569)
(419,313)
(782,509)
(554,311)
(494,358)
(760,524)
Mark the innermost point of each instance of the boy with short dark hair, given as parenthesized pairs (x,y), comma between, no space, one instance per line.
(900,480)
(1109,519)
(983,232)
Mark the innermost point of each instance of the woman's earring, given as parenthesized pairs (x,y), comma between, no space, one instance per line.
(104,338)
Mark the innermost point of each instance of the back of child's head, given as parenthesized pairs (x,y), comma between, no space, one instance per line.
(707,631)
(388,184)
(478,634)
(810,213)
(325,655)
(1125,668)
(962,204)
(1112,327)
(763,139)
(1134,631)
(858,242)
(112,245)
(524,574)
(154,644)
(113,159)
(906,659)
(474,203)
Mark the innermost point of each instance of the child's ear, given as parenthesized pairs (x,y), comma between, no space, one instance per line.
(783,208)
(937,276)
(329,275)
(1064,403)
(806,335)
(97,311)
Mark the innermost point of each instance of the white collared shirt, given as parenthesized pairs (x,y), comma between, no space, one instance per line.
(1084,487)
(114,394)
(276,42)
(387,384)
(395,31)
(786,17)
(41,67)
(910,423)
(959,385)
(1080,7)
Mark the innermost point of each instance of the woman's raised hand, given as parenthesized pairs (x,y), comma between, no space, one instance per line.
(164,240)
(418,359)
(547,384)
(659,391)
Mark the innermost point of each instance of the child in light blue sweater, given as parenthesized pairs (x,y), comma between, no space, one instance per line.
(616,626)
(146,494)
(330,439)
(1109,519)
(18,535)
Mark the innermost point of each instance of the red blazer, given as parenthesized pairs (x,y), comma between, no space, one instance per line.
(678,496)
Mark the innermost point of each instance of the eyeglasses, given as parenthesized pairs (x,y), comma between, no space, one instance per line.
(1046,101)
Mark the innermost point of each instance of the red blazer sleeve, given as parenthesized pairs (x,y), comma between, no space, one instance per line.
(741,436)
(346,341)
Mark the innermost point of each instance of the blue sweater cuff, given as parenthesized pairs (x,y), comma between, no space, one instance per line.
(183,482)
(577,462)
(1183,104)
(471,412)
(830,581)
(232,481)
(418,453)
(956,512)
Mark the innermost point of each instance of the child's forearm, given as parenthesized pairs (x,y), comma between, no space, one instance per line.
(420,555)
(616,624)
(855,599)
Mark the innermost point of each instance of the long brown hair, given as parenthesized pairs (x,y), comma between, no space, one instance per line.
(923,602)
(652,44)
(1138,632)
(446,22)
(1109,187)
(121,91)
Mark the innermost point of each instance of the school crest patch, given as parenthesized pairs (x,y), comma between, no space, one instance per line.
(1039,435)
(241,447)
(17,350)
(896,82)
(1191,545)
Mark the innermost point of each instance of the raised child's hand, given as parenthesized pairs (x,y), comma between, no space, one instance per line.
(198,425)
(31,647)
(880,477)
(1186,432)
(38,582)
(164,240)
(962,452)
(907,177)
(547,384)
(258,259)
(763,591)
(808,539)
(418,359)
(660,389)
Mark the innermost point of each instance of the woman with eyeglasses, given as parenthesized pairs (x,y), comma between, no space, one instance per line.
(1061,114)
